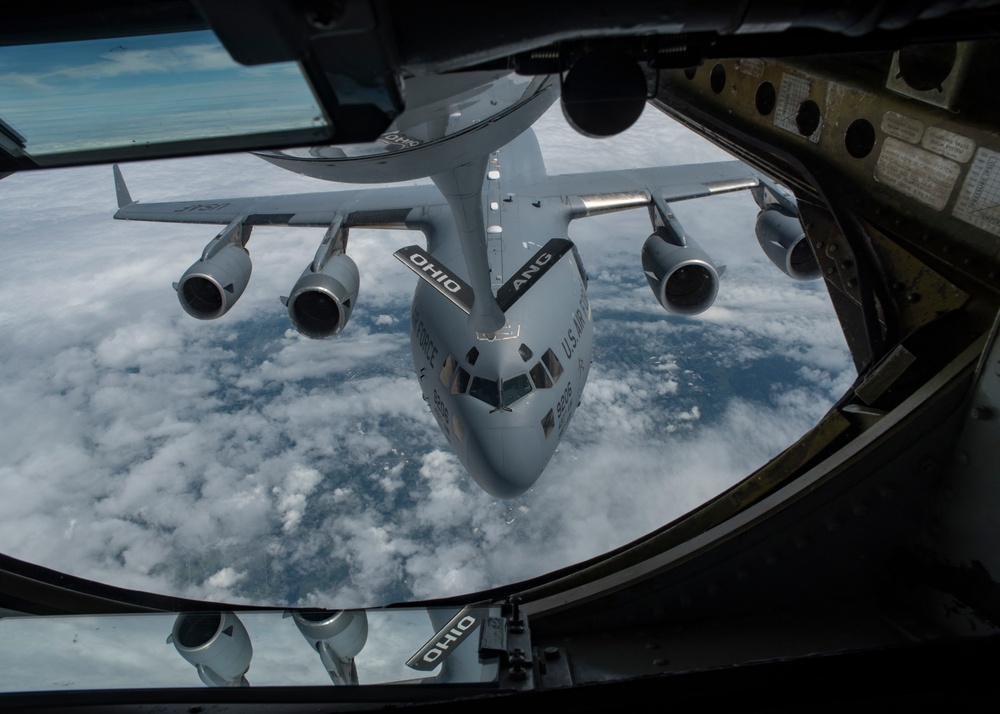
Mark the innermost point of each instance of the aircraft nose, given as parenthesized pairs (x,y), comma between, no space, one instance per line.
(506,461)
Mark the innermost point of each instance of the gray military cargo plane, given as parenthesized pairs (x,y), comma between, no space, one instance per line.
(866,554)
(501,327)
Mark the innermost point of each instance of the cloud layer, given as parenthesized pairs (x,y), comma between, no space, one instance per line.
(235,460)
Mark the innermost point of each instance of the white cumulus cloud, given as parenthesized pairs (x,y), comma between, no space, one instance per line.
(236,460)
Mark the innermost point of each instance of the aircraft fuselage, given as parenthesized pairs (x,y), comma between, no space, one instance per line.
(501,330)
(504,400)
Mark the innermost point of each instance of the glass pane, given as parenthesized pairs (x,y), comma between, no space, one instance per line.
(485,390)
(129,651)
(548,423)
(516,388)
(113,93)
(461,383)
(551,363)
(540,377)
(448,371)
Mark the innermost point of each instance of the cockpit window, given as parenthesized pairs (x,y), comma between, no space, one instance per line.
(551,363)
(472,356)
(524,351)
(448,371)
(511,390)
(453,377)
(540,377)
(461,382)
(515,388)
(548,423)
(485,390)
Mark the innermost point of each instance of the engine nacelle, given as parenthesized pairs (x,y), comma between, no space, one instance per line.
(217,644)
(784,243)
(210,287)
(338,637)
(680,274)
(321,302)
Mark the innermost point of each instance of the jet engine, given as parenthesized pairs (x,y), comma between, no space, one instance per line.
(784,243)
(210,287)
(338,637)
(217,644)
(322,300)
(679,272)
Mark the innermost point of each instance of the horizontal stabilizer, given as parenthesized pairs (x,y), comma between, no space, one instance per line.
(438,276)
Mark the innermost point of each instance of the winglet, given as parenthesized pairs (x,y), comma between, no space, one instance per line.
(124,199)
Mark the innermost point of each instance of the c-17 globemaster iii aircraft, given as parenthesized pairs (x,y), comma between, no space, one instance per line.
(501,328)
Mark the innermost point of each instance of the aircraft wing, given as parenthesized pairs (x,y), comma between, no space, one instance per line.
(368,207)
(606,191)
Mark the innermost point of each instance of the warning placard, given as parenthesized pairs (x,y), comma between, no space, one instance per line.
(979,201)
(919,174)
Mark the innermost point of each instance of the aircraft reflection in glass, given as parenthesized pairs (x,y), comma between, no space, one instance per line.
(501,329)
(219,646)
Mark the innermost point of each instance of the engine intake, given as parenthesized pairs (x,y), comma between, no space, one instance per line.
(784,243)
(210,287)
(338,637)
(217,644)
(679,272)
(321,302)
